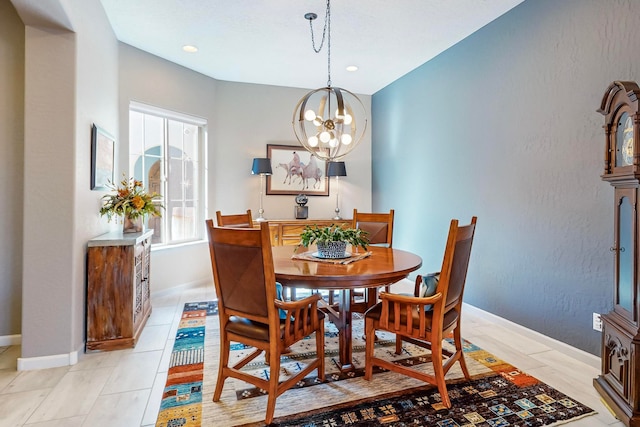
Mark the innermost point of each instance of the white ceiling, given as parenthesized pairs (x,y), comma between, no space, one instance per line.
(269,41)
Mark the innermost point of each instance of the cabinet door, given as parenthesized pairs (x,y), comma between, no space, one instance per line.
(146,273)
(616,359)
(138,285)
(625,247)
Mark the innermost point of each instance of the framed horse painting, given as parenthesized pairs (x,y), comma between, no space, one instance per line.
(296,171)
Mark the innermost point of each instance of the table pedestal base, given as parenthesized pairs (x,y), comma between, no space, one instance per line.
(342,319)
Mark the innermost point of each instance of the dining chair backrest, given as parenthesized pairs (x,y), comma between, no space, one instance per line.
(379,226)
(455,264)
(242,265)
(244,220)
(249,312)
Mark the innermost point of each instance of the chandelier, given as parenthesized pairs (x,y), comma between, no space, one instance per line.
(329,122)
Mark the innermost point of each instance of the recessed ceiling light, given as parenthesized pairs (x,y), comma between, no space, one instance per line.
(189,48)
(352,68)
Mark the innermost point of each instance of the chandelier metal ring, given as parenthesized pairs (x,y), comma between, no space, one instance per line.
(331,121)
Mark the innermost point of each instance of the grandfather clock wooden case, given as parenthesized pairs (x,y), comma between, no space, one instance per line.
(619,381)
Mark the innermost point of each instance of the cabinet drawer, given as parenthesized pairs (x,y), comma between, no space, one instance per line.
(290,234)
(287,232)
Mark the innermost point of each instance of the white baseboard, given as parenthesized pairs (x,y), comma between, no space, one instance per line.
(8,340)
(184,286)
(45,362)
(560,346)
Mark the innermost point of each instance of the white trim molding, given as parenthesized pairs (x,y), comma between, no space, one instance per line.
(560,346)
(45,362)
(9,340)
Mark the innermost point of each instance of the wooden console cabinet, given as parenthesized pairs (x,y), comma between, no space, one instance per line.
(287,231)
(118,289)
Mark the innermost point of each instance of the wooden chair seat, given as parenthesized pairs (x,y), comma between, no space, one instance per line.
(415,326)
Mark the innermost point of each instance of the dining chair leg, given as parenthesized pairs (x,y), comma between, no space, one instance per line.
(274,372)
(457,339)
(225,348)
(438,370)
(398,344)
(320,353)
(370,334)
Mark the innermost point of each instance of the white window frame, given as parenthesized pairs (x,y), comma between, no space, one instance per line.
(200,196)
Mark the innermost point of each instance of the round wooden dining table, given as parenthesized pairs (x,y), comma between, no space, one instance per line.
(378,266)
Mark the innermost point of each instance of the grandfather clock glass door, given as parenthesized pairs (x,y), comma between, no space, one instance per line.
(625,248)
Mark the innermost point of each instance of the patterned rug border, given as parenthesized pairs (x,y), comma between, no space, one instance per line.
(181,403)
(358,413)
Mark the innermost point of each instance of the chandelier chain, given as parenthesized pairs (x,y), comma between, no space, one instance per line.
(326,34)
(329,122)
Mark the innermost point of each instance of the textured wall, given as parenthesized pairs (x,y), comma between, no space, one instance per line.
(504,126)
(70,82)
(11,160)
(242,119)
(249,117)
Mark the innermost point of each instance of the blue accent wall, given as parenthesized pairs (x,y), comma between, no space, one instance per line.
(504,126)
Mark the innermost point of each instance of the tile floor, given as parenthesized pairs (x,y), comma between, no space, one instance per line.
(123,388)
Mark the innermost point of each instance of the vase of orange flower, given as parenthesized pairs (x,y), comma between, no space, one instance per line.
(132,202)
(132,225)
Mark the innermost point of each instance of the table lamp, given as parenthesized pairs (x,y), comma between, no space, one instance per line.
(261,167)
(337,169)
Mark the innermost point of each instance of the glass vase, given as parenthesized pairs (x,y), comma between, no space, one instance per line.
(132,225)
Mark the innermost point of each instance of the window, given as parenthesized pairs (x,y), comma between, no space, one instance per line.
(165,153)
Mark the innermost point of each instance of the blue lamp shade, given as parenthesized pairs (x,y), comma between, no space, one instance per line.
(261,167)
(337,169)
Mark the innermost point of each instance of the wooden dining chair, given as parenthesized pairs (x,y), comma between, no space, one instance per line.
(244,220)
(427,320)
(249,311)
(379,228)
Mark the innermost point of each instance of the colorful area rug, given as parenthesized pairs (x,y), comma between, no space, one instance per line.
(499,394)
(494,401)
(182,398)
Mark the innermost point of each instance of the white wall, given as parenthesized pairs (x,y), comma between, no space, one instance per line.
(154,81)
(248,118)
(242,119)
(70,82)
(11,170)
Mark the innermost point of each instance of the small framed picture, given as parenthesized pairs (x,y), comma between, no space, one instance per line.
(102,158)
(296,171)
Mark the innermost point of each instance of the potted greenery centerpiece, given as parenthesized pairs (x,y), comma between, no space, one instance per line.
(132,202)
(332,241)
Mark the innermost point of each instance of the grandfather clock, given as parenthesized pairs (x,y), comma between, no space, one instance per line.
(619,381)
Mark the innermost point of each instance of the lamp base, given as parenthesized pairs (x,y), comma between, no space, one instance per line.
(337,210)
(260,219)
